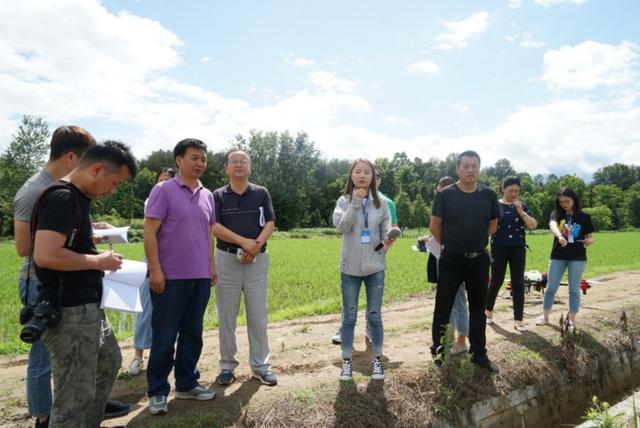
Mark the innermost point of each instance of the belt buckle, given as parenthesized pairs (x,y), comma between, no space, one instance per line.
(471,254)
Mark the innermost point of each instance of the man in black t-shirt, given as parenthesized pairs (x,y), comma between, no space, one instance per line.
(85,356)
(463,216)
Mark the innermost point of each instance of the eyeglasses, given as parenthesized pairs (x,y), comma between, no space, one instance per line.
(239,162)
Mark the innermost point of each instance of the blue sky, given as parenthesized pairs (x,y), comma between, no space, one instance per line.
(551,85)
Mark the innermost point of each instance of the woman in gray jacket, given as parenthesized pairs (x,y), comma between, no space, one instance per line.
(363,219)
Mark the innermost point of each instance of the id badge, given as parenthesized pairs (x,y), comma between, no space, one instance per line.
(570,238)
(365,237)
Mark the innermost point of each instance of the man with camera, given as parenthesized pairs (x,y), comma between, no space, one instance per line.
(68,143)
(85,356)
(245,220)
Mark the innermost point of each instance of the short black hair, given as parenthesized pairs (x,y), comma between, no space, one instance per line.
(70,138)
(181,148)
(114,154)
(166,170)
(468,154)
(445,181)
(510,180)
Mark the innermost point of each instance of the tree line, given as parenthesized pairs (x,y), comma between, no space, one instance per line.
(304,186)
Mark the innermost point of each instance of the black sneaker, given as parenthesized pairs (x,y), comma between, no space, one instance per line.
(115,409)
(267,378)
(226,377)
(44,424)
(486,364)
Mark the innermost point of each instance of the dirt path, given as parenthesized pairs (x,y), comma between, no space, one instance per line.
(303,356)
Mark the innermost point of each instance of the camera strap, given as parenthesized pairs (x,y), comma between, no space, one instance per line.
(72,236)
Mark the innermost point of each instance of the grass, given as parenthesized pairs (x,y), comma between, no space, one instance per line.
(304,277)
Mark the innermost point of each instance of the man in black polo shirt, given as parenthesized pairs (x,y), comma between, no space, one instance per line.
(463,216)
(85,356)
(244,222)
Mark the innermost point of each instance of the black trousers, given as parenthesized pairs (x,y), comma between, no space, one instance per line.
(515,257)
(453,270)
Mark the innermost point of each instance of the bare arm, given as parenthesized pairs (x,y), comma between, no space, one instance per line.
(248,245)
(553,225)
(435,227)
(49,252)
(588,240)
(156,276)
(493,226)
(22,237)
(266,233)
(529,221)
(214,274)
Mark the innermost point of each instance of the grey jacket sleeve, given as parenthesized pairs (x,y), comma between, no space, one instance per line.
(385,224)
(345,213)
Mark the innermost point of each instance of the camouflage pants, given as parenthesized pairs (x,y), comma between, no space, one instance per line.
(85,359)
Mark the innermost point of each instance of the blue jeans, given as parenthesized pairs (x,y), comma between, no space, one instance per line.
(178,312)
(459,318)
(556,270)
(142,337)
(39,367)
(374,287)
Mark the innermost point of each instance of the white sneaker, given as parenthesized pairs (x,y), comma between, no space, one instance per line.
(377,373)
(337,338)
(571,326)
(347,370)
(541,320)
(135,367)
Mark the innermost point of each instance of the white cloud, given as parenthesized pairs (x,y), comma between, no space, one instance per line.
(205,59)
(515,4)
(397,120)
(591,64)
(525,40)
(460,108)
(534,44)
(302,62)
(550,3)
(328,80)
(461,32)
(566,136)
(424,67)
(74,61)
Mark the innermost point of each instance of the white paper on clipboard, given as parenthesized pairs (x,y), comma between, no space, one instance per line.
(121,288)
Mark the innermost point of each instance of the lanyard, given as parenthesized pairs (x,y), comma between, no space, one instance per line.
(365,213)
(569,218)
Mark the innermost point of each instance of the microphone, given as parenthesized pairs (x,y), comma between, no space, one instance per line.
(392,234)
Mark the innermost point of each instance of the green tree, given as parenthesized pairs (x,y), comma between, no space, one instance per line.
(23,157)
(500,169)
(611,196)
(632,206)
(284,165)
(420,212)
(620,175)
(600,216)
(157,160)
(405,210)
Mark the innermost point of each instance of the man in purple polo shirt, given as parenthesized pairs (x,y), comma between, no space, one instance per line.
(177,242)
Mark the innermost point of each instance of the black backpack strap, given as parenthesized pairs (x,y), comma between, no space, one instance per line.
(72,236)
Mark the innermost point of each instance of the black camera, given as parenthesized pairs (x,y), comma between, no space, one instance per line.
(25,314)
(44,314)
